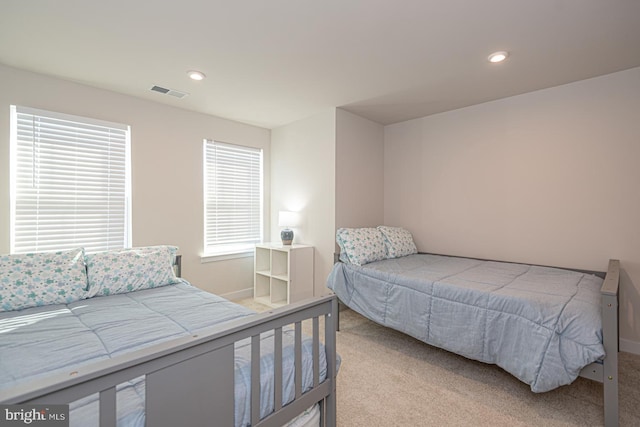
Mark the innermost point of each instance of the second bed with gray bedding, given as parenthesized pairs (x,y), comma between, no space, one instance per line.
(541,324)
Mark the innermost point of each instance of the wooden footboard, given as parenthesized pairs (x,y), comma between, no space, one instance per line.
(190,381)
(606,371)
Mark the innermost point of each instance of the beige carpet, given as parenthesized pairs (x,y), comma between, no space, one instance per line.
(390,379)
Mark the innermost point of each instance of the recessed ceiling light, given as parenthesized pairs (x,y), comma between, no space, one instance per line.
(498,56)
(196,75)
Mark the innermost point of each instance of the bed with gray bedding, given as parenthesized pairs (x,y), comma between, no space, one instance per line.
(38,342)
(122,340)
(544,325)
(541,324)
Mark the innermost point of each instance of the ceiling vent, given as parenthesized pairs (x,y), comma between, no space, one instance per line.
(170,92)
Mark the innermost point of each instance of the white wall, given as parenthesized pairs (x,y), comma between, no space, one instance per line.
(166,166)
(549,177)
(359,171)
(308,158)
(303,158)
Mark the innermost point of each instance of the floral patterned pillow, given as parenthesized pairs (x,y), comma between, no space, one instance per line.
(399,241)
(360,246)
(44,278)
(128,270)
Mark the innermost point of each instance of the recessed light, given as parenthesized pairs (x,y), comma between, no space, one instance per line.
(498,56)
(196,75)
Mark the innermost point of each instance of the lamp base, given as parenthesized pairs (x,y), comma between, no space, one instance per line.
(287,236)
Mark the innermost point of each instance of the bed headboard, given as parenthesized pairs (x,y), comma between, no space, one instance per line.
(177,265)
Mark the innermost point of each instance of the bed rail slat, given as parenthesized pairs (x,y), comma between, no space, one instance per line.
(277,369)
(255,379)
(316,352)
(108,407)
(298,359)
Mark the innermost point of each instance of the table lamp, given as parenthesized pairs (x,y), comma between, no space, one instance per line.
(287,219)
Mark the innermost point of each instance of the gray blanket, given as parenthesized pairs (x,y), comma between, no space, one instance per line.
(542,325)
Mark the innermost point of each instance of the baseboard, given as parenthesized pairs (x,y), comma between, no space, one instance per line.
(629,346)
(238,295)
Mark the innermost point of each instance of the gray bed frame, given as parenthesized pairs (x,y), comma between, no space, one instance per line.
(604,371)
(190,381)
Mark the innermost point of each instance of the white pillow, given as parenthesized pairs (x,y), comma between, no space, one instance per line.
(398,241)
(44,278)
(128,270)
(360,246)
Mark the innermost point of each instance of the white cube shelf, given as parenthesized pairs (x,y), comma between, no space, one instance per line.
(283,274)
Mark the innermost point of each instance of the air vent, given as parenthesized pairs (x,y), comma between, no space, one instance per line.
(159,89)
(171,92)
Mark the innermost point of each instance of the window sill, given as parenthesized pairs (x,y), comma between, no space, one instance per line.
(226,256)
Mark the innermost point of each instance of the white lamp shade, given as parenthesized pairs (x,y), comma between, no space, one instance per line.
(288,219)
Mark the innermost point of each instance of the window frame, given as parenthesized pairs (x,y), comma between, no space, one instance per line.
(226,252)
(15,110)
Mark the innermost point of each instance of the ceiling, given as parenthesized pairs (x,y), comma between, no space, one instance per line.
(272,62)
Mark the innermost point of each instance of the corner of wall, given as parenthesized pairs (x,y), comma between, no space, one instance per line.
(303,180)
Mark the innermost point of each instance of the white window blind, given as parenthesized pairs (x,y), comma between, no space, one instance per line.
(70,182)
(233,198)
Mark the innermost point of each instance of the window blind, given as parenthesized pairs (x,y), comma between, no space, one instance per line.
(233,197)
(70,182)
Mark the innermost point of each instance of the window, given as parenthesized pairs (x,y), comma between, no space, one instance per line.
(70,182)
(233,198)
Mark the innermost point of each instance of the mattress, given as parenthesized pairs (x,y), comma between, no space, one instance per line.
(542,325)
(43,340)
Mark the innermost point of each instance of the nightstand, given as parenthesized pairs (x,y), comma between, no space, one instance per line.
(282,273)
